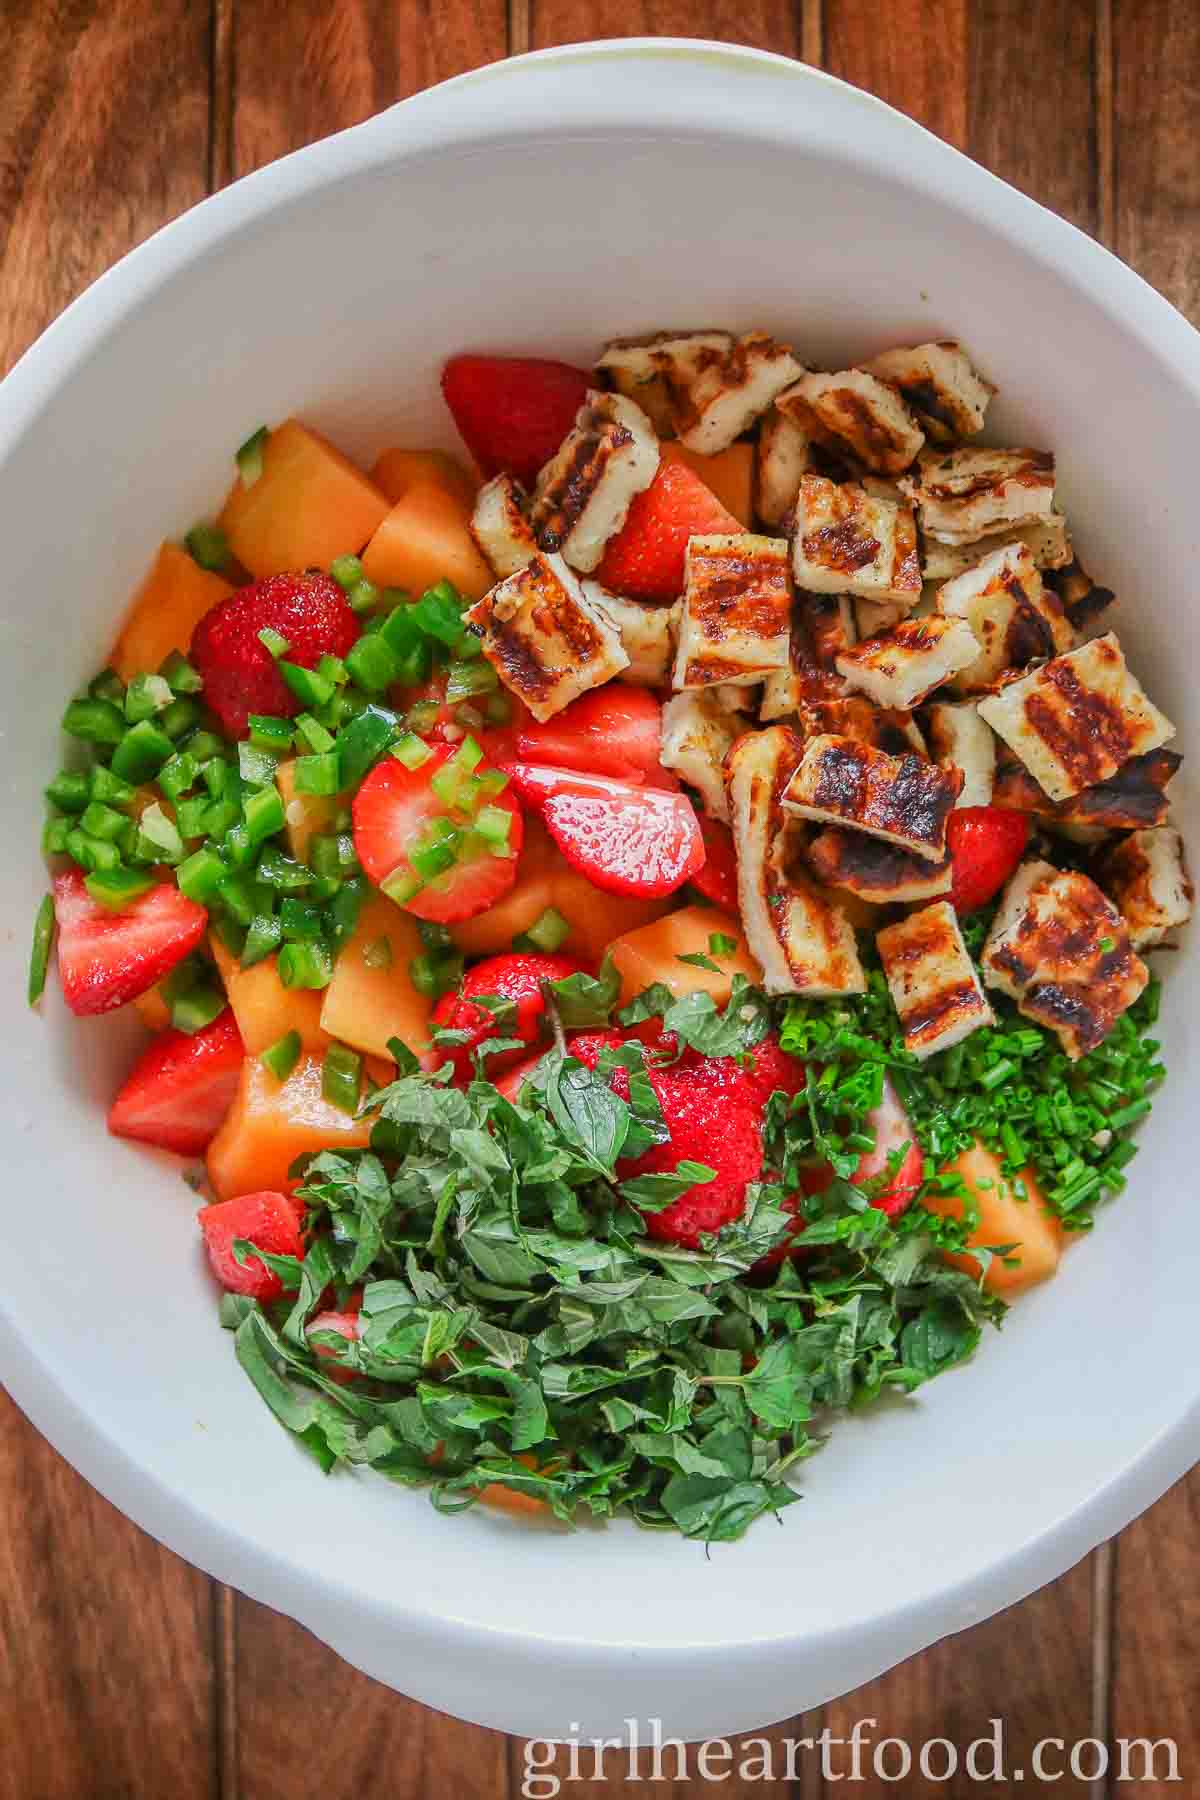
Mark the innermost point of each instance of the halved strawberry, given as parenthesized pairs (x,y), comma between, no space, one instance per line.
(892,1128)
(716,878)
(517,977)
(397,815)
(513,411)
(645,559)
(625,839)
(614,730)
(986,844)
(181,1087)
(498,742)
(310,611)
(267,1220)
(107,958)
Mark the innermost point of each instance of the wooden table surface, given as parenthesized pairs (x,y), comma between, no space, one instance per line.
(123,1672)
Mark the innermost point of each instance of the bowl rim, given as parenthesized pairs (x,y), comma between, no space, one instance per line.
(166,1511)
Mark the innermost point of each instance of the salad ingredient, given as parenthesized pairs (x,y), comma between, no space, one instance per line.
(729,475)
(716,878)
(309,505)
(849,541)
(1146,876)
(282,1056)
(1014,616)
(426,538)
(948,396)
(270,1123)
(181,1087)
(625,839)
(986,844)
(882,874)
(308,613)
(698,732)
(905,800)
(900,667)
(968,493)
(39,955)
(513,412)
(958,735)
(265,1010)
(645,560)
(893,1132)
(306,816)
(515,979)
(583,493)
(500,525)
(932,980)
(371,997)
(166,609)
(107,957)
(396,471)
(615,730)
(547,641)
(1014,1222)
(694,950)
(863,415)
(443,839)
(736,624)
(269,1221)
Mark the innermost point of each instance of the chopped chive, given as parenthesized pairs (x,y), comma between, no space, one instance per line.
(305,965)
(264,814)
(310,687)
(141,752)
(548,933)
(341,1077)
(192,1011)
(282,1056)
(39,955)
(145,696)
(249,456)
(70,792)
(346,570)
(268,732)
(413,752)
(363,596)
(999,1072)
(200,876)
(263,937)
(94,721)
(318,774)
(1128,1115)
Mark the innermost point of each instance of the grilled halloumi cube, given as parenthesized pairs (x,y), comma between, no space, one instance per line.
(587,487)
(725,398)
(648,634)
(1076,720)
(782,455)
(545,639)
(851,542)
(853,716)
(940,386)
(1016,619)
(904,800)
(1146,876)
(959,738)
(1085,604)
(875,616)
(737,610)
(932,980)
(647,369)
(966,494)
(697,735)
(828,626)
(1134,799)
(1047,541)
(875,871)
(802,941)
(901,666)
(1061,950)
(859,411)
(500,526)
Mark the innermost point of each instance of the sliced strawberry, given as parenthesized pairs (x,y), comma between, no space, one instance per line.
(107,958)
(513,411)
(336,1324)
(645,559)
(181,1087)
(517,977)
(772,1070)
(510,1083)
(267,1220)
(716,878)
(986,844)
(614,730)
(892,1129)
(240,677)
(498,742)
(625,839)
(393,811)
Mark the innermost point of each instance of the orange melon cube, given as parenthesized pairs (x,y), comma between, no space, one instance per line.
(151,1009)
(165,611)
(652,954)
(1036,1231)
(492,932)
(309,505)
(426,538)
(271,1123)
(398,470)
(364,1004)
(596,918)
(265,1010)
(729,475)
(306,815)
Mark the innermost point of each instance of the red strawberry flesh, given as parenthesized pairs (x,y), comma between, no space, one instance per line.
(107,958)
(518,978)
(269,1221)
(626,839)
(309,611)
(615,730)
(645,558)
(180,1088)
(513,412)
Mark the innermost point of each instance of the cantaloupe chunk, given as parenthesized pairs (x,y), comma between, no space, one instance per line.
(165,611)
(265,1010)
(652,954)
(729,475)
(1004,1219)
(151,1009)
(426,538)
(492,932)
(309,505)
(306,815)
(271,1123)
(398,470)
(596,919)
(364,1006)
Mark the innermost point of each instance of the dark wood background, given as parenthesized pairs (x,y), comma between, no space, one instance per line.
(123,1672)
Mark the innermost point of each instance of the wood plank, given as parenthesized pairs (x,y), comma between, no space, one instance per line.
(909,53)
(1155,1681)
(345,60)
(1157,97)
(84,89)
(763,24)
(107,1642)
(355,1737)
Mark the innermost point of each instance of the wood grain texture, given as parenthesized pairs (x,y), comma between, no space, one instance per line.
(85,87)
(311,67)
(909,53)
(763,24)
(106,1684)
(1156,45)
(1156,1675)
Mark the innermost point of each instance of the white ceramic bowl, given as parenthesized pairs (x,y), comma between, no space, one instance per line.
(543,205)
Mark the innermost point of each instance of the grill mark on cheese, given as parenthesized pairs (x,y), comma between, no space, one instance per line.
(596,440)
(840,547)
(904,796)
(1091,735)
